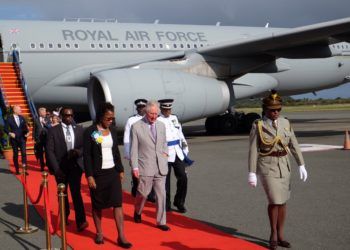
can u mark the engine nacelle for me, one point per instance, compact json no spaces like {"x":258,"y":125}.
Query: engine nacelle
{"x":253,"y":84}
{"x":195,"y":96}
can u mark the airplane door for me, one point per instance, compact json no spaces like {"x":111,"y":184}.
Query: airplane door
{"x":1,"y":51}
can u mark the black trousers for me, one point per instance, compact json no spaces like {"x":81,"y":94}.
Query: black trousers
{"x":22,"y":146}
{"x":39,"y":152}
{"x":181,"y":184}
{"x":73,"y":181}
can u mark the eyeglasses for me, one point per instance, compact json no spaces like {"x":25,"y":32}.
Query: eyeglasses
{"x":274,"y":110}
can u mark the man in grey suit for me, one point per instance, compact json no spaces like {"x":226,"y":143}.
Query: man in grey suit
{"x":149,"y":161}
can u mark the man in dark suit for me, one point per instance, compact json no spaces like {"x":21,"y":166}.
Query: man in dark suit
{"x":17,"y":130}
{"x":64,"y":151}
{"x":41,"y":125}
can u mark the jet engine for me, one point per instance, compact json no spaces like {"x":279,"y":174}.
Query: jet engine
{"x":195,"y":96}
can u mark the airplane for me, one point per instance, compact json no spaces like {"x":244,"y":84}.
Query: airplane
{"x":204,"y":68}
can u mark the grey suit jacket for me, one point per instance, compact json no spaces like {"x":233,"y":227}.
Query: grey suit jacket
{"x":149,"y":156}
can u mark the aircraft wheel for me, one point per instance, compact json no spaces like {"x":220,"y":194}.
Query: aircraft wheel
{"x":212,"y":125}
{"x":249,"y":119}
{"x":228,"y":124}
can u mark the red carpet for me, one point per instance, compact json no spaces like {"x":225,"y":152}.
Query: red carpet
{"x":185,"y":233}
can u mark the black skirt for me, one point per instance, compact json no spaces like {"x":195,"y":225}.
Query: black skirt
{"x":108,"y":192}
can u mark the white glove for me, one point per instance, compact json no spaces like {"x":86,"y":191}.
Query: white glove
{"x":302,"y":172}
{"x":252,"y":180}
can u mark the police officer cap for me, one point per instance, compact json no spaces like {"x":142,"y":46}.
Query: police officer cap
{"x":272,"y":101}
{"x":140,"y":102}
{"x":166,"y":103}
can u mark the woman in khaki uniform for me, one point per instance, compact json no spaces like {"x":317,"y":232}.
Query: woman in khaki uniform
{"x":271,"y":140}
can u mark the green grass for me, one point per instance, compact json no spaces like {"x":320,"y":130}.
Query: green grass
{"x":306,"y":108}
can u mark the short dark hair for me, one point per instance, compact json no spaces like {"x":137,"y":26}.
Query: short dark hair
{"x":103,"y":108}
{"x":65,"y":108}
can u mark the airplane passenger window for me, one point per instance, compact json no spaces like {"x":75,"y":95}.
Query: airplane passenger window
{"x":67,"y":45}
{"x":100,"y":45}
{"x":32,"y":45}
{"x":92,"y":45}
{"x":41,"y":45}
{"x":131,"y":45}
{"x":139,"y":46}
{"x":59,"y":45}
{"x":146,"y":45}
{"x":195,"y":45}
{"x":181,"y":46}
{"x":153,"y":46}
{"x":189,"y":46}
{"x":116,"y":46}
{"x":201,"y":45}
{"x":174,"y":45}
{"x":76,"y":46}
{"x":160,"y":45}
{"x":108,"y":45}
{"x":124,"y":45}
{"x":50,"y":46}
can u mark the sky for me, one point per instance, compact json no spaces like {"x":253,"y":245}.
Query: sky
{"x":278,"y":13}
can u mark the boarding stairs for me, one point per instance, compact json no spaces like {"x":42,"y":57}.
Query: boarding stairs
{"x":14,"y":92}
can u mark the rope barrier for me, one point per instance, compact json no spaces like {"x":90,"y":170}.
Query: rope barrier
{"x":43,"y":192}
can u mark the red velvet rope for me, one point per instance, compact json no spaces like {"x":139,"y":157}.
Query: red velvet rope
{"x":53,"y":229}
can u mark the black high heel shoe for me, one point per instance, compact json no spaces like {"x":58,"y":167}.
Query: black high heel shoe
{"x":99,"y":238}
{"x":123,"y":244}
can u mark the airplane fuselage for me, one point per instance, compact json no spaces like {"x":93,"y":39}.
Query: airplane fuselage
{"x":57,"y":58}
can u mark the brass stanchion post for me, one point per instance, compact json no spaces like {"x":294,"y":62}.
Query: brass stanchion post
{"x":47,"y":226}
{"x":61,"y":188}
{"x":26,"y":229}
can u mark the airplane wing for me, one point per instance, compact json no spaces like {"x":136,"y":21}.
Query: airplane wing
{"x":319,"y":34}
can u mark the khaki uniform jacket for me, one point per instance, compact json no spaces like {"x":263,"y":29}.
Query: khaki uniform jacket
{"x":271,"y":165}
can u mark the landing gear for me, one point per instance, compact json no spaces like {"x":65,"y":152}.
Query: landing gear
{"x":230,"y":123}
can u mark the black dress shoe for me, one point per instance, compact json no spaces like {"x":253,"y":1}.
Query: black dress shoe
{"x":181,"y":208}
{"x":99,"y":238}
{"x":273,"y":245}
{"x":82,"y":226}
{"x":124,"y":244}
{"x":285,"y":244}
{"x":137,"y":218}
{"x":163,"y":227}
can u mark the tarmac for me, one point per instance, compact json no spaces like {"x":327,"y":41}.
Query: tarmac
{"x":219,"y":195}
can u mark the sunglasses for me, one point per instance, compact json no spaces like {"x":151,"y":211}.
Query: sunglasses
{"x":274,"y":110}
{"x":109,"y":119}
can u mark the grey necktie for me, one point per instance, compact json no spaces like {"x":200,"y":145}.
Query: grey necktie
{"x":153,"y":131}
{"x":68,"y":139}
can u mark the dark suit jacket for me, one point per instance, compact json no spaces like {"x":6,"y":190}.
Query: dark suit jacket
{"x":93,"y":152}
{"x":20,"y":131}
{"x":56,"y":148}
{"x":39,"y":131}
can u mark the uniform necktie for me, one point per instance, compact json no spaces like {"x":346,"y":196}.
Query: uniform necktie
{"x":68,"y":139}
{"x":153,"y":131}
{"x":274,"y":124}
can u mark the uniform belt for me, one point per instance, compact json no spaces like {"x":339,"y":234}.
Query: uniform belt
{"x":173,"y":143}
{"x":280,"y":153}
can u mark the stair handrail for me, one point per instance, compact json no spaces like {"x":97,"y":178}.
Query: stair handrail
{"x":3,"y":101}
{"x":15,"y":56}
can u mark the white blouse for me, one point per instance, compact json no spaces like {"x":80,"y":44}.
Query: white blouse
{"x":107,"y":155}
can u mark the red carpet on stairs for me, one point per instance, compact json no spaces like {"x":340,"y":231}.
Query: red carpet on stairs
{"x":185,"y":233}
